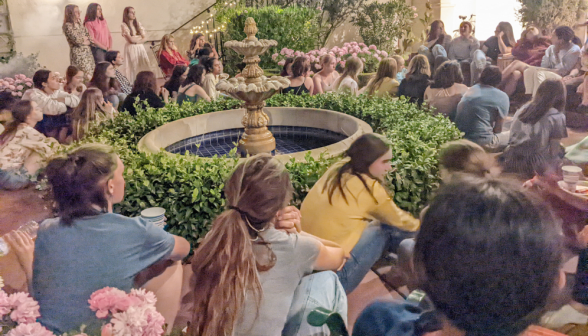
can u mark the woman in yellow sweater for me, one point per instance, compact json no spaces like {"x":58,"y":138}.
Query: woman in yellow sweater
{"x":384,"y":83}
{"x":350,"y":207}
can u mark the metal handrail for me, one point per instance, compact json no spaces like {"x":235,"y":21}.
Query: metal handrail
{"x":195,"y":16}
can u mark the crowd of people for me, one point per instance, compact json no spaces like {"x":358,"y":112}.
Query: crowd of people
{"x":265,"y":265}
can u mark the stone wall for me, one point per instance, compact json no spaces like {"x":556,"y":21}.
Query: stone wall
{"x":37,"y":24}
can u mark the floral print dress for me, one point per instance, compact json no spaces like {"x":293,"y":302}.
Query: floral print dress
{"x":25,"y":142}
{"x":80,"y":55}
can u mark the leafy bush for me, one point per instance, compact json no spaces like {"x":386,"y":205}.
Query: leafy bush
{"x":548,"y":14}
{"x":190,"y":188}
{"x":384,"y":24}
{"x":293,"y":27}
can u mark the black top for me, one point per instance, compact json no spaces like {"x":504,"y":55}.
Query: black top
{"x":148,"y":98}
{"x":296,"y":90}
{"x":413,"y":87}
{"x":172,"y":87}
{"x":493,"y":48}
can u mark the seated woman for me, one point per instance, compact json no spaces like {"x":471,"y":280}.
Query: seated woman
{"x":324,"y":79}
{"x":144,"y":91}
{"x":447,"y":89}
{"x":347,"y":83}
{"x":93,"y":109}
{"x":502,"y":293}
{"x":287,"y":67}
{"x":74,"y":81}
{"x":350,"y":206}
{"x":438,"y":42}
{"x":105,"y":79}
{"x":23,"y":150}
{"x":198,"y":43}
{"x":528,"y":51}
{"x":169,"y":56}
{"x":537,"y":128}
{"x":191,"y":89}
{"x":178,"y":76}
{"x":462,"y":47}
{"x":53,"y":102}
{"x":214,"y":69}
{"x":88,"y":247}
{"x":554,"y":66}
{"x":465,"y":157}
{"x":253,"y":279}
{"x":300,"y":82}
{"x":384,"y":83}
{"x":501,"y":43}
{"x":6,"y":101}
{"x":417,"y":80}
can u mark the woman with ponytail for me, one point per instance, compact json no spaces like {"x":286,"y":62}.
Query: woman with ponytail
{"x":253,"y":279}
{"x":88,"y":247}
{"x":23,"y":149}
{"x":350,"y":206}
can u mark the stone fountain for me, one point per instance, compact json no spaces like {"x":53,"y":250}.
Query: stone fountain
{"x":253,"y":88}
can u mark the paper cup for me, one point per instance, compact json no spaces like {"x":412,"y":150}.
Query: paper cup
{"x":153,"y":214}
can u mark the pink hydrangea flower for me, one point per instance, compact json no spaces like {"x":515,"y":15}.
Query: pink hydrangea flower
{"x":12,"y":87}
{"x":282,"y":62}
{"x":416,"y":15}
{"x":362,"y":45}
{"x":13,"y":93}
{"x":384,"y":53}
{"x":30,"y":329}
{"x":5,"y":304}
{"x":25,"y":309}
{"x":145,"y":296}
{"x":318,"y":66}
{"x":155,"y":322}
{"x":342,"y":63}
{"x":110,"y":300}
{"x":29,"y":84}
{"x":19,"y":94}
{"x":20,"y":87}
{"x":373,"y":47}
{"x":354,"y":55}
{"x":275,"y":56}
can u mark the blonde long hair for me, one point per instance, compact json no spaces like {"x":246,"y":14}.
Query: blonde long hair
{"x":353,"y":68}
{"x":386,"y":69}
{"x":419,"y":64}
{"x":225,"y":266}
{"x":86,"y":112}
{"x":163,"y":45}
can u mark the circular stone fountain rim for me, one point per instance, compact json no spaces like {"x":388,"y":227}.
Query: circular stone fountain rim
{"x":147,"y":142}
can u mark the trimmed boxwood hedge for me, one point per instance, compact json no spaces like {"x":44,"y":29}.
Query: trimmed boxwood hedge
{"x":190,"y":188}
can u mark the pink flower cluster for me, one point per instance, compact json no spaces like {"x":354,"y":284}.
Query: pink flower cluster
{"x":17,"y":85}
{"x":19,"y":306}
{"x":370,"y":55}
{"x":131,"y":314}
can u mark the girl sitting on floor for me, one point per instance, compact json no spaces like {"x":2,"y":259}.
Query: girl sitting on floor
{"x":253,"y":279}
{"x":350,"y":206}
{"x":92,"y":110}
{"x":23,"y":150}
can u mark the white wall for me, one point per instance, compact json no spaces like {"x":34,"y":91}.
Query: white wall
{"x":37,"y":24}
{"x":488,"y":14}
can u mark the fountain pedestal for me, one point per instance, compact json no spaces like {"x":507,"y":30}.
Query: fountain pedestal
{"x":253,"y":88}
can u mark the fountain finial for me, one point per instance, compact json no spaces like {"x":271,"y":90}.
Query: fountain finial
{"x":250,"y":29}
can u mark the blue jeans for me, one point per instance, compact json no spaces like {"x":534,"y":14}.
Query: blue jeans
{"x":14,"y":180}
{"x":374,"y":241}
{"x":321,"y":289}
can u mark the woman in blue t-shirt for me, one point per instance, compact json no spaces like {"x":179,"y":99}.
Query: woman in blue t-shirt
{"x":88,"y":247}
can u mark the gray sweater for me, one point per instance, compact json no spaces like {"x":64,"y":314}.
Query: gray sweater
{"x":461,"y":48}
{"x":564,"y":62}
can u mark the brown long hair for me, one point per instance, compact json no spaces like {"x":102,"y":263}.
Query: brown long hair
{"x":70,"y":73}
{"x":92,"y":13}
{"x":79,"y":181}
{"x":550,"y":94}
{"x":353,"y":67}
{"x":20,"y":111}
{"x":508,"y":36}
{"x":144,"y":82}
{"x":362,"y":153}
{"x":433,"y":32}
{"x":194,"y":39}
{"x":70,"y":16}
{"x":86,"y":112}
{"x":225,"y":266}
{"x":101,"y":81}
{"x":135,"y":21}
{"x":386,"y":69}
{"x":419,"y":64}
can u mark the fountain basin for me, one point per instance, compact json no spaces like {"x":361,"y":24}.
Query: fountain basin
{"x":337,"y":128}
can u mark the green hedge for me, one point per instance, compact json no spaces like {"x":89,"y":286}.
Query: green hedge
{"x":190,"y":188}
{"x":292,"y":27}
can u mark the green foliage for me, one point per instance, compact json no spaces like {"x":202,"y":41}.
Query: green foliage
{"x":549,"y":14}
{"x":293,"y":27}
{"x":426,"y":21}
{"x":190,"y":188}
{"x":384,"y":24}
